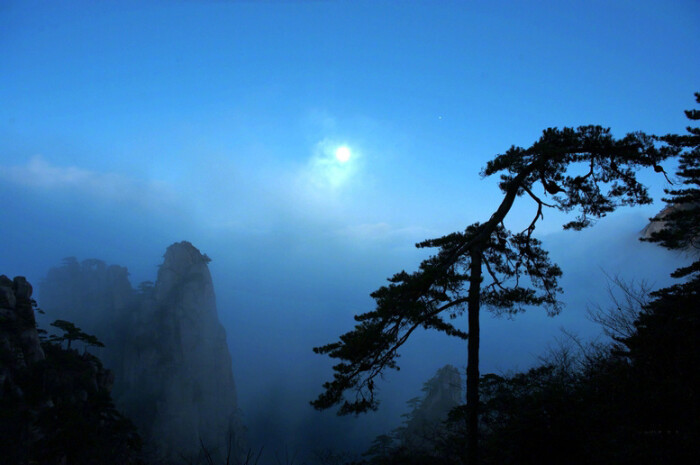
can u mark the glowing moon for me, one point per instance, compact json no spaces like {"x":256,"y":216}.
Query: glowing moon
{"x":342,"y":154}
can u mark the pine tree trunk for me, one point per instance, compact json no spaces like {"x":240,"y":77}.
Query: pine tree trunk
{"x":473,"y":359}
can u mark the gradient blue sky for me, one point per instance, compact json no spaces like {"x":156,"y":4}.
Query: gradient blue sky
{"x":202,"y":103}
{"x":126,"y":126}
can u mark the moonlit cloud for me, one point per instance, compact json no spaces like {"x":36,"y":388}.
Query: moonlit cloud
{"x":40,"y":174}
{"x":325,"y":172}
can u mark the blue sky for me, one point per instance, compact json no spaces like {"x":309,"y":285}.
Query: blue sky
{"x":208,"y":100}
{"x":126,"y":126}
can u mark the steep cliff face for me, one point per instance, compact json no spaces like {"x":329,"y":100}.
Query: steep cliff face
{"x":176,"y":377}
{"x":165,"y":344}
{"x":19,"y":340}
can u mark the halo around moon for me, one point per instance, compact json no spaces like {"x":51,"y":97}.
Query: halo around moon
{"x":343,"y":154}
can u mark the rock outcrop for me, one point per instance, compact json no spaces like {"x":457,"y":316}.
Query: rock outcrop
{"x":443,"y":392}
{"x":658,"y":223}
{"x":96,"y":297}
{"x":426,"y":426}
{"x":55,"y":404}
{"x":19,"y":340}
{"x":173,"y":374}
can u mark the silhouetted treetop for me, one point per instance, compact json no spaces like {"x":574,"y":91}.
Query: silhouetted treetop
{"x":73,"y":333}
{"x":604,"y":181}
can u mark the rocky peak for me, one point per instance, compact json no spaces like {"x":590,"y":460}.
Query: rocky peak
{"x":165,"y":344}
{"x":443,"y":392}
{"x":181,"y":358}
{"x":91,"y":294}
{"x":183,"y":265}
{"x":182,"y":255}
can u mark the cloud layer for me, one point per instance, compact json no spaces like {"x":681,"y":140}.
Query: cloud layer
{"x":39,"y":174}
